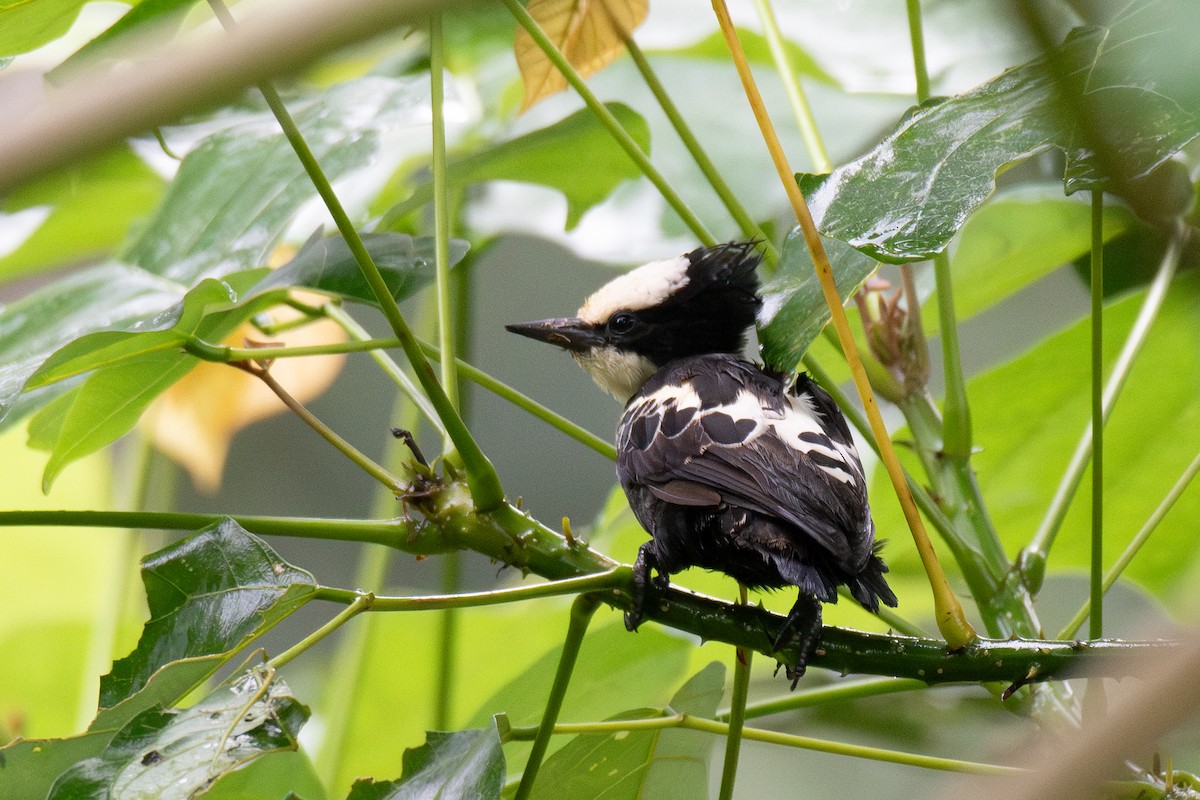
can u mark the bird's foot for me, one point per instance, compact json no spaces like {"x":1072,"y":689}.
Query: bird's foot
{"x":643,"y":577}
{"x":802,"y":628}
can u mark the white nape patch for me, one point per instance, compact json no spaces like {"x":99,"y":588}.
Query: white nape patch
{"x":616,"y":372}
{"x":644,"y":287}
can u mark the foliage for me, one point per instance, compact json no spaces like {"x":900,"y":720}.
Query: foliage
{"x":151,"y":261}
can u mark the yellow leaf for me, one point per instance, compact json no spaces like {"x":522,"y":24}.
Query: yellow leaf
{"x":589,"y":34}
{"x":194,"y":421}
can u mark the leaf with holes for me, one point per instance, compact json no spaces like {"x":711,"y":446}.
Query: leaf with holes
{"x":179,"y":753}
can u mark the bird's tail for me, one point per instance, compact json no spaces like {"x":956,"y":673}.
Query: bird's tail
{"x":869,"y":587}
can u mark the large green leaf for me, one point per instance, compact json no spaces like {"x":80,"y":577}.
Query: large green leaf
{"x":83,"y":220}
{"x":233,"y":197}
{"x":904,"y":200}
{"x":459,"y":765}
{"x":211,"y":593}
{"x":549,"y":156}
{"x":639,"y":669}
{"x":173,"y":753}
{"x":1029,"y":414}
{"x":143,"y":13}
{"x":640,"y":765}
{"x":28,"y":768}
{"x":325,"y":264}
{"x":1017,"y":238}
{"x":794,"y":309}
{"x":28,"y":24}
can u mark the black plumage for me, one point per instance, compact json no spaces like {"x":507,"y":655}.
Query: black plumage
{"x":728,"y":466}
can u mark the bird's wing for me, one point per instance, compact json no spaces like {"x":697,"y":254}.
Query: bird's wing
{"x":722,"y":428}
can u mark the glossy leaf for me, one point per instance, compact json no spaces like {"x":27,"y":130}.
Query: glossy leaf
{"x":233,"y":197}
{"x":174,"y":753}
{"x":458,"y":765}
{"x":794,"y":309}
{"x":589,"y":34}
{"x":905,"y":199}
{"x":640,"y":765}
{"x":211,"y":593}
{"x":82,"y":221}
{"x":1017,"y":238}
{"x":549,"y":157}
{"x":326,"y":265}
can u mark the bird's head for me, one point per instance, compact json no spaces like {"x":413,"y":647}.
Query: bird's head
{"x":701,"y":302}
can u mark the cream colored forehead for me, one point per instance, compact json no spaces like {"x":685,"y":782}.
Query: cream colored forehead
{"x":641,"y":288}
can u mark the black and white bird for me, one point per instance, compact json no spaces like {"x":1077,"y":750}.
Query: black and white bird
{"x":728,"y":466}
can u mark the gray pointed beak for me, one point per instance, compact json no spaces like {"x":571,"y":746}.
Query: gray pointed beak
{"x":570,"y":333}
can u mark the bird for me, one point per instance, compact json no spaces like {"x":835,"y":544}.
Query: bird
{"x":728,"y":465}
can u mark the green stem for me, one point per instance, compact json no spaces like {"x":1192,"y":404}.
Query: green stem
{"x":1043,"y":540}
{"x":750,"y":229}
{"x":834,"y":693}
{"x":481,"y":475}
{"x":690,"y":722}
{"x":617,"y":577}
{"x":446,"y":671}
{"x":1135,"y":545}
{"x":788,"y":74}
{"x":1096,"y":619}
{"x":511,"y":536}
{"x":362,"y":603}
{"x":956,"y":414}
{"x":360,"y":459}
{"x":441,"y":211}
{"x":528,"y":404}
{"x":622,"y":137}
{"x":581,"y":616}
{"x":737,"y":713}
{"x":916,"y":36}
{"x":224,"y":354}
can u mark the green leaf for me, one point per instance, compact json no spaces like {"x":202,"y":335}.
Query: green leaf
{"x":283,"y":775}
{"x":794,"y":309}
{"x":146,"y":11}
{"x":29,"y":767}
{"x":173,"y":753}
{"x":26,"y":25}
{"x":83,"y":222}
{"x":1017,"y":238}
{"x":209,"y":594}
{"x":612,"y":662}
{"x":325,"y":264}
{"x":904,"y":200}
{"x":641,"y":764}
{"x":109,"y":404}
{"x":237,"y":191}
{"x":757,"y":50}
{"x":233,"y":197}
{"x":1029,"y":414}
{"x":549,"y":156}
{"x":459,"y":765}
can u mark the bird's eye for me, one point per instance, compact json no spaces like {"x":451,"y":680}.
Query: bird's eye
{"x":621,"y":323}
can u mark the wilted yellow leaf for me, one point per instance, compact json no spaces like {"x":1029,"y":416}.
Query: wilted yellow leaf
{"x":589,"y":33}
{"x":194,"y":421}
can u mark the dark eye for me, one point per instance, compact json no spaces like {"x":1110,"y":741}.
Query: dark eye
{"x":621,"y":323}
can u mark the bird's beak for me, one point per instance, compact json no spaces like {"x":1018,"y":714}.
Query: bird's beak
{"x":570,"y":333}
